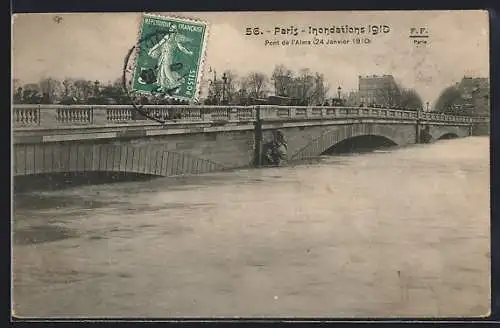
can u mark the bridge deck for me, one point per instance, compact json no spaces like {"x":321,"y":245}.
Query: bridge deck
{"x":198,"y":139}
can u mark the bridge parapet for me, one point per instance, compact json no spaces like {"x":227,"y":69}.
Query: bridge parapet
{"x":319,"y":112}
{"x":54,"y":116}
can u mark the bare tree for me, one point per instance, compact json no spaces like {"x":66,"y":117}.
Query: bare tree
{"x":69,"y":94}
{"x":410,"y":99}
{"x":17,"y":90}
{"x":256,"y":84}
{"x":215,"y":91}
{"x":82,"y":89}
{"x":390,"y":95}
{"x":117,"y":83}
{"x":231,"y":87}
{"x":31,"y":94}
{"x":320,"y":89}
{"x":16,"y":83}
{"x":303,"y":86}
{"x":242,"y":94}
{"x":282,"y":78}
{"x":50,"y":89}
{"x":353,"y":99}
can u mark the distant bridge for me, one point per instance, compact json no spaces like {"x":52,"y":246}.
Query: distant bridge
{"x":77,"y":139}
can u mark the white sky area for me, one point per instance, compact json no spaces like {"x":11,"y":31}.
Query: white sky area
{"x":93,"y":46}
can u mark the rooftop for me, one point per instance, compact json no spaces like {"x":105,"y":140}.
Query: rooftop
{"x":375,"y":76}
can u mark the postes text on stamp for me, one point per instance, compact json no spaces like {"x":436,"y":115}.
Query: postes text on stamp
{"x":170,"y":57}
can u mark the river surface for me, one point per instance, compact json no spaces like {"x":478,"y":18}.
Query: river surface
{"x":404,"y":232}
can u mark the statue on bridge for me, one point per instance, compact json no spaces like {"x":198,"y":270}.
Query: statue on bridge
{"x":275,"y":151}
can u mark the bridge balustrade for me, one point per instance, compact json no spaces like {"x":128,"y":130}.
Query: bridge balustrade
{"x":118,"y":114}
{"x":301,"y":112}
{"x":316,"y":112}
{"x":218,"y":113}
{"x":53,"y":116}
{"x":244,"y":113}
{"x":159,"y":112}
{"x":191,"y":114}
{"x":26,"y":115}
{"x":74,"y":115}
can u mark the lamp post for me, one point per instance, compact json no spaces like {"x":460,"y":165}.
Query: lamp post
{"x":96,"y":88}
{"x":427,"y":103}
{"x":224,"y":81}
{"x":212,"y":88}
{"x":210,"y":91}
{"x":472,"y":108}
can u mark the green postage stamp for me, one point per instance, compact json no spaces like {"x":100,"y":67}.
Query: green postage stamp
{"x":170,"y":57}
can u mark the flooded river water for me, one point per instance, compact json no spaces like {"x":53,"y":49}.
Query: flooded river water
{"x":403,"y":232}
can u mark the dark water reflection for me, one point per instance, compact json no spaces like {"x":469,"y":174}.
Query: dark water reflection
{"x":42,"y":234}
{"x":401,"y":232}
{"x":32,"y":201}
{"x":60,"y":181}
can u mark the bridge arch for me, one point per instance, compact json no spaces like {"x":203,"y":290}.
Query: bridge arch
{"x":449,"y":135}
{"x":365,"y":142}
{"x":395,"y":135}
{"x":81,"y":158}
{"x":440,"y":132}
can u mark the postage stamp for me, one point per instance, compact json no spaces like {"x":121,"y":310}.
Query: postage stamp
{"x":169,"y":59}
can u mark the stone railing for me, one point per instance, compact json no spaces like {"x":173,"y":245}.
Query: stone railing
{"x":53,"y":116}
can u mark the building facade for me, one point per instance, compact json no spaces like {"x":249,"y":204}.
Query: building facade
{"x":475,"y":93}
{"x":378,"y":90}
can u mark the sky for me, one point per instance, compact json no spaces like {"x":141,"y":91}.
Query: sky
{"x":93,"y":46}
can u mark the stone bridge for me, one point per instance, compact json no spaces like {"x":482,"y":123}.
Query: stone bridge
{"x":52,"y":139}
